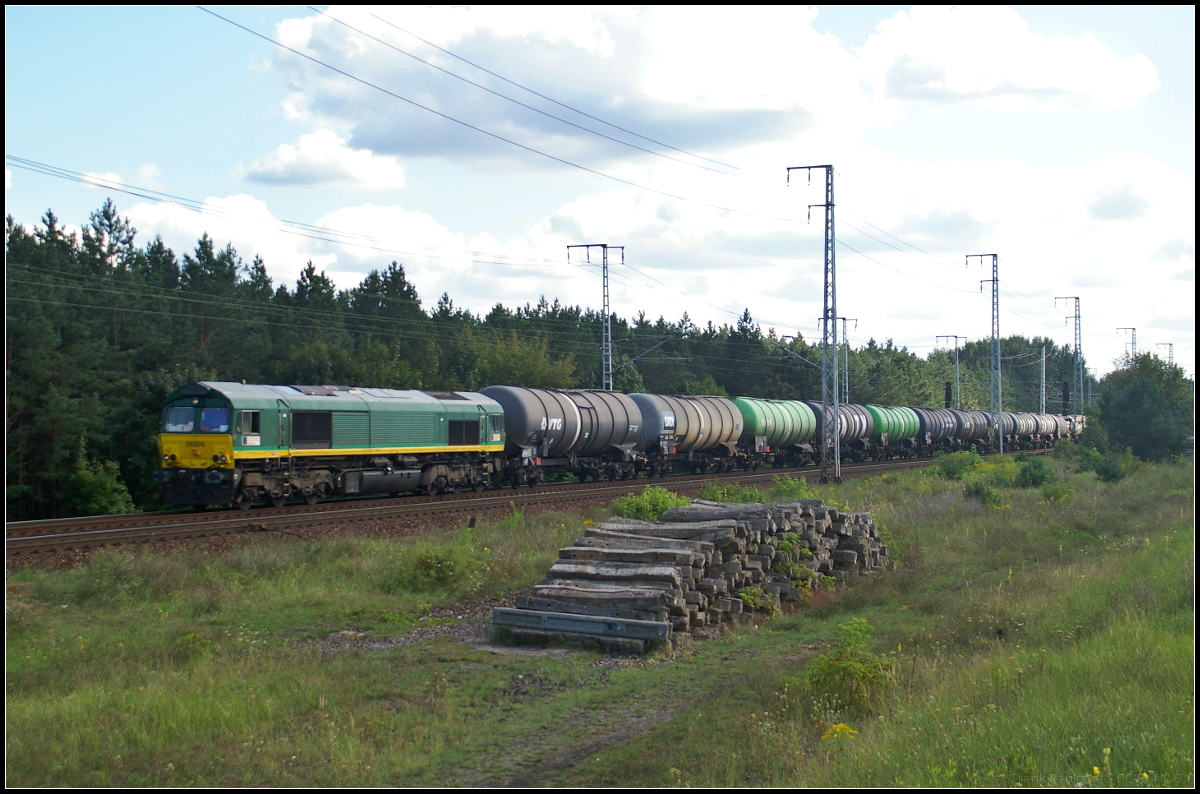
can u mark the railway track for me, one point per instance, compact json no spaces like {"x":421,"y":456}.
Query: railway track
{"x":72,"y":534}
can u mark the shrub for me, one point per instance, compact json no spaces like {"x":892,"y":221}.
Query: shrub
{"x":1000,"y":471}
{"x":95,"y":488}
{"x":190,"y":647}
{"x":984,"y":493}
{"x":801,"y":575}
{"x":849,"y":676}
{"x":1034,"y":473}
{"x":650,"y":504}
{"x":757,"y":599}
{"x":1109,"y":468}
{"x":956,"y":464}
{"x":731,"y":492}
{"x":427,"y":567}
{"x":789,"y":489}
{"x":1056,"y":493}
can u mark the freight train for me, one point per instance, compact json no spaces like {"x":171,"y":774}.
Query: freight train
{"x":234,"y":445}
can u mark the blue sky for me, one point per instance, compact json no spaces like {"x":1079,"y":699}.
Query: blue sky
{"x":1062,"y":140}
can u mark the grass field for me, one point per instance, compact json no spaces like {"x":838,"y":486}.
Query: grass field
{"x":1045,"y":638}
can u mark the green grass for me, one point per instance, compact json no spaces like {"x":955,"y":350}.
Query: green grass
{"x":1041,"y":642}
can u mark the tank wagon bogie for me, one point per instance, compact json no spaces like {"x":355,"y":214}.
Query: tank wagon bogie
{"x":233,"y":444}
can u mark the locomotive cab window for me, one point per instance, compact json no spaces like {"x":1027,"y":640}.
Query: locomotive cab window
{"x":248,"y":422}
{"x":497,"y":421}
{"x":180,"y":419}
{"x":214,"y":420}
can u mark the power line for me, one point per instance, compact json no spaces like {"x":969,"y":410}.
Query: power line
{"x":901,"y":272}
{"x":515,"y":101}
{"x":468,"y":125}
{"x":549,"y":99}
{"x":295,"y":228}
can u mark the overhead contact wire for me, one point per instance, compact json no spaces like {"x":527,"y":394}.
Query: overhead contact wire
{"x":549,"y":99}
{"x":515,"y":101}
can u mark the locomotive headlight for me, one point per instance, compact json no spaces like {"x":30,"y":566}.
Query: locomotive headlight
{"x":216,"y":458}
{"x":166,"y":458}
{"x":224,"y":459}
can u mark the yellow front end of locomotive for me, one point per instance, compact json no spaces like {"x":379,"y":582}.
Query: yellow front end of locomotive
{"x":195,"y":450}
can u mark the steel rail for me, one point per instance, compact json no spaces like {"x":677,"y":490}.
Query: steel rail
{"x":64,"y":536}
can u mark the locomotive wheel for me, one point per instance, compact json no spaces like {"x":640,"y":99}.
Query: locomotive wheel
{"x":479,"y":486}
{"x":311,"y":498}
{"x":243,"y":500}
{"x":278,"y":501}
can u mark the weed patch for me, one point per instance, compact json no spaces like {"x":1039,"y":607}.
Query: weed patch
{"x":649,"y":505}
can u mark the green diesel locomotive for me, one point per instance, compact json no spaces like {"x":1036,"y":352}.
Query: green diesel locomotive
{"x":233,"y":444}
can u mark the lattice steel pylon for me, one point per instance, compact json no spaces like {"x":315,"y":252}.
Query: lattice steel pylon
{"x":997,"y":382}
{"x":1078,"y":396}
{"x":831,"y":421}
{"x":606,"y":347}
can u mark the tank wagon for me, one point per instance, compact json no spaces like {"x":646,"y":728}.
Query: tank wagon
{"x":696,"y":433}
{"x":590,"y":433}
{"x":233,"y":444}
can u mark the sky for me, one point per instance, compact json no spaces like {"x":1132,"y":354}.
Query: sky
{"x":1061,"y":139}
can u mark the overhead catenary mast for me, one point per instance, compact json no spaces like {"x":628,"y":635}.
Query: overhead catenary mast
{"x":957,"y":386}
{"x":606,"y":346}
{"x":1042,"y":395}
{"x":1078,"y":401}
{"x":997,"y":384}
{"x":846,"y":358}
{"x":1132,"y":340}
{"x":831,"y":419}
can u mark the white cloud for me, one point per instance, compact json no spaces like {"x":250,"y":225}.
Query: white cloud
{"x":150,"y":175}
{"x":1117,"y":204}
{"x":765,"y":90}
{"x":96,"y":180}
{"x":240,"y":220}
{"x":322,"y":159}
{"x":988,"y":56}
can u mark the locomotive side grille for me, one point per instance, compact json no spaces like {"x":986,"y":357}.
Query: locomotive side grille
{"x":464,"y":433}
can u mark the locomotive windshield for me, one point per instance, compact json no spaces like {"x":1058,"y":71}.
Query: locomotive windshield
{"x":182,"y":419}
{"x":214,"y":420}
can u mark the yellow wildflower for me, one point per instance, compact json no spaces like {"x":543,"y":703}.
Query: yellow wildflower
{"x":840,"y":730}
